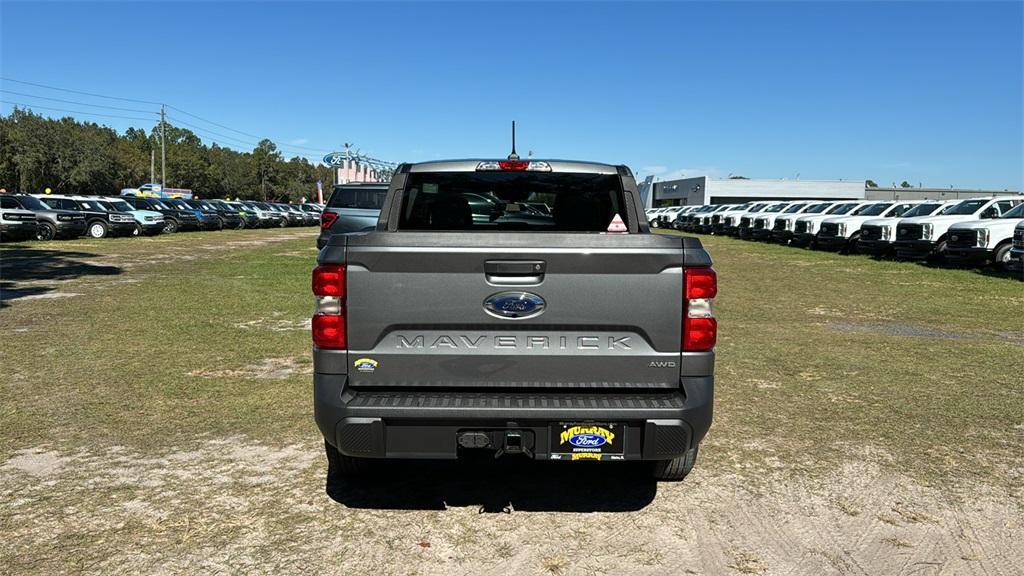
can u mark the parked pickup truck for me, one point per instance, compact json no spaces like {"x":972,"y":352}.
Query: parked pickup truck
{"x":1016,"y":262}
{"x":878,"y":234}
{"x":842,"y":233}
{"x":980,"y":241}
{"x":581,"y":336}
{"x":925,"y":237}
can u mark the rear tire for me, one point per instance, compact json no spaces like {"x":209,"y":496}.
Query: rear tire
{"x":1001,"y":257}
{"x":851,"y":244}
{"x":97,"y":229}
{"x":340,"y":466}
{"x":46,"y":231}
{"x":677,"y":468}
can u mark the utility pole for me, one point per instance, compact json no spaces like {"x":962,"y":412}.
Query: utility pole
{"x":163,"y":148}
{"x":152,"y":164}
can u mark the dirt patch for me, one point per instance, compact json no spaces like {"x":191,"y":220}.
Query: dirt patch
{"x":278,"y":325}
{"x":50,"y":296}
{"x":912,"y":330}
{"x":39,"y":463}
{"x":229,"y":505}
{"x":266,"y":369}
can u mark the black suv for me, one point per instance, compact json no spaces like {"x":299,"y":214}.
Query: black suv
{"x":247,"y":217}
{"x":50,"y":223}
{"x":174,"y":218}
{"x":229,"y":218}
{"x":100,"y":221}
{"x":208,"y":219}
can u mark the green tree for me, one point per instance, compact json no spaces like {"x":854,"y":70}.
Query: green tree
{"x":870,"y":184}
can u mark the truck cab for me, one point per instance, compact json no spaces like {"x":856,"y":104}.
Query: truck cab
{"x":579,"y":336}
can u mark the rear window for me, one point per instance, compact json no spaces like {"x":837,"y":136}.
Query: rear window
{"x":358,"y":197}
{"x":478,"y":201}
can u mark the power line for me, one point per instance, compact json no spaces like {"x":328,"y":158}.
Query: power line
{"x":294,"y":147}
{"x":33,"y":106}
{"x":78,"y":103}
{"x":211,"y":133}
{"x":78,"y":92}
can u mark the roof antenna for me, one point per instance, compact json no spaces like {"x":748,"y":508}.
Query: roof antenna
{"x":513,"y":155}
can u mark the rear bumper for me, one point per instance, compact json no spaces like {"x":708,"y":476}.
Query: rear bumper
{"x":659,"y":425}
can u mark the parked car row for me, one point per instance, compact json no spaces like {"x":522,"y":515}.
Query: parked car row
{"x":970,"y":231}
{"x":53,"y":216}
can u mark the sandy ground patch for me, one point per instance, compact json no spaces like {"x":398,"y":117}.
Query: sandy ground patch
{"x":228,"y":505}
{"x":267,"y":368}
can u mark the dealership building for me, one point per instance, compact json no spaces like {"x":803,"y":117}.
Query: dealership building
{"x":704,"y":190}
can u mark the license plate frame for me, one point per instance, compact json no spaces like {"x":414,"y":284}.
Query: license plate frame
{"x":587,"y":441}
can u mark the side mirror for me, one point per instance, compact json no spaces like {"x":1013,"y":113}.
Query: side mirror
{"x":990,"y":213}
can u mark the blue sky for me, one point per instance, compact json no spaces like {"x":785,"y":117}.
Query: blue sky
{"x":931,"y":93}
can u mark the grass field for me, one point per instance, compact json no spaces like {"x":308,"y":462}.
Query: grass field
{"x":156,"y":415}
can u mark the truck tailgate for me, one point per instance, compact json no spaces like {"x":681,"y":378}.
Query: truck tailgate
{"x":604,"y":311}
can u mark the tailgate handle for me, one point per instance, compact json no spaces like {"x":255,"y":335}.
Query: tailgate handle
{"x":515,"y":271}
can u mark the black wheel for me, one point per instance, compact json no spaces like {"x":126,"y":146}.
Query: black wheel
{"x":1001,"y":257}
{"x":939,"y":253}
{"x":241,"y":224}
{"x":851,"y":244}
{"x":96,"y":229}
{"x":46,"y":231}
{"x":170,"y":226}
{"x":138,"y":230}
{"x":283,"y":224}
{"x":676,"y":468}
{"x":341,"y":466}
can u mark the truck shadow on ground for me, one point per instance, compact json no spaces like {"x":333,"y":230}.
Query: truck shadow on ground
{"x":24,"y":271}
{"x":496,"y":486}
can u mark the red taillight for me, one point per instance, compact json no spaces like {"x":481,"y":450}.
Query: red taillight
{"x":701,"y":283}
{"x":327,"y":219}
{"x":700,"y":329}
{"x":329,"y":327}
{"x":329,"y":280}
{"x":699,"y":334}
{"x":514,"y":164}
{"x":329,"y":331}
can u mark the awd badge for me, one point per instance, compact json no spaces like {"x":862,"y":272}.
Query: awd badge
{"x":365,"y":365}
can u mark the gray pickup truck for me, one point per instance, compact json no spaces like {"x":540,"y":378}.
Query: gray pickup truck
{"x":459,"y":324}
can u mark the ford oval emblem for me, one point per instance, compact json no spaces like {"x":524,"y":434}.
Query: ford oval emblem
{"x":587,"y":440}
{"x":514,"y":305}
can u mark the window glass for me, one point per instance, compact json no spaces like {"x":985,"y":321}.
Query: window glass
{"x":480,"y":201}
